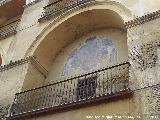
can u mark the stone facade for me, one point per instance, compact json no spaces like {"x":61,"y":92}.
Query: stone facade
{"x":130,"y":30}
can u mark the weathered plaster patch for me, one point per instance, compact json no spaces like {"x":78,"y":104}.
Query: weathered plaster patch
{"x":90,"y":54}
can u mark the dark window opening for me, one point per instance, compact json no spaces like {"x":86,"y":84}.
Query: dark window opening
{"x":86,"y":88}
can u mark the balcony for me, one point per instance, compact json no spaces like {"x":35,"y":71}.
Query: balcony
{"x":105,"y":85}
{"x":8,"y":29}
{"x":60,"y":6}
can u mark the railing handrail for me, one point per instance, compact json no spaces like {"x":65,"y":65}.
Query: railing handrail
{"x":110,"y":83}
{"x":74,"y":77}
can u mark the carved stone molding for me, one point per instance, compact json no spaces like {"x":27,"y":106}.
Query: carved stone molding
{"x":30,"y":59}
{"x":143,"y":19}
{"x":39,"y":67}
{"x":15,"y":63}
{"x":49,"y":11}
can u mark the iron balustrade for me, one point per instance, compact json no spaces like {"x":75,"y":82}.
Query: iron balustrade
{"x":61,"y":6}
{"x":105,"y":82}
{"x":8,"y":29}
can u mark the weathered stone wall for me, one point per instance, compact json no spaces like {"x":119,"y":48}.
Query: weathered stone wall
{"x":11,"y":83}
{"x":28,"y":30}
{"x":33,"y":78}
{"x":144,"y":43}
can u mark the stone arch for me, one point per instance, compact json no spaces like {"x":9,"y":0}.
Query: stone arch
{"x":65,"y":29}
{"x":117,"y":7}
{"x":104,"y":4}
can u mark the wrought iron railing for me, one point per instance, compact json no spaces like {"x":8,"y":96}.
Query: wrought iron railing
{"x":108,"y":82}
{"x":61,"y":6}
{"x":8,"y":29}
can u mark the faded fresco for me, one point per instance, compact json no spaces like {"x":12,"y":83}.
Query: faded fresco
{"x":89,"y":55}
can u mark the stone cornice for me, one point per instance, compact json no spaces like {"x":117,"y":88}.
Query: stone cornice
{"x":65,"y":10}
{"x":16,"y":63}
{"x":143,"y":19}
{"x":30,"y":59}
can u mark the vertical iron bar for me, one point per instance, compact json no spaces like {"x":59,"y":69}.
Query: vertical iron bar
{"x":75,"y":91}
{"x":99,"y":85}
{"x":107,"y":80}
{"x":103,"y":83}
{"x":54,"y":95}
{"x":56,"y":98}
{"x":96,"y":84}
{"x":115,"y":79}
{"x":62,"y":88}
{"x":111,"y":80}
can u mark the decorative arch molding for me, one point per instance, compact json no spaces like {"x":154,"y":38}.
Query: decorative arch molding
{"x":117,"y":7}
{"x":102,"y":4}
